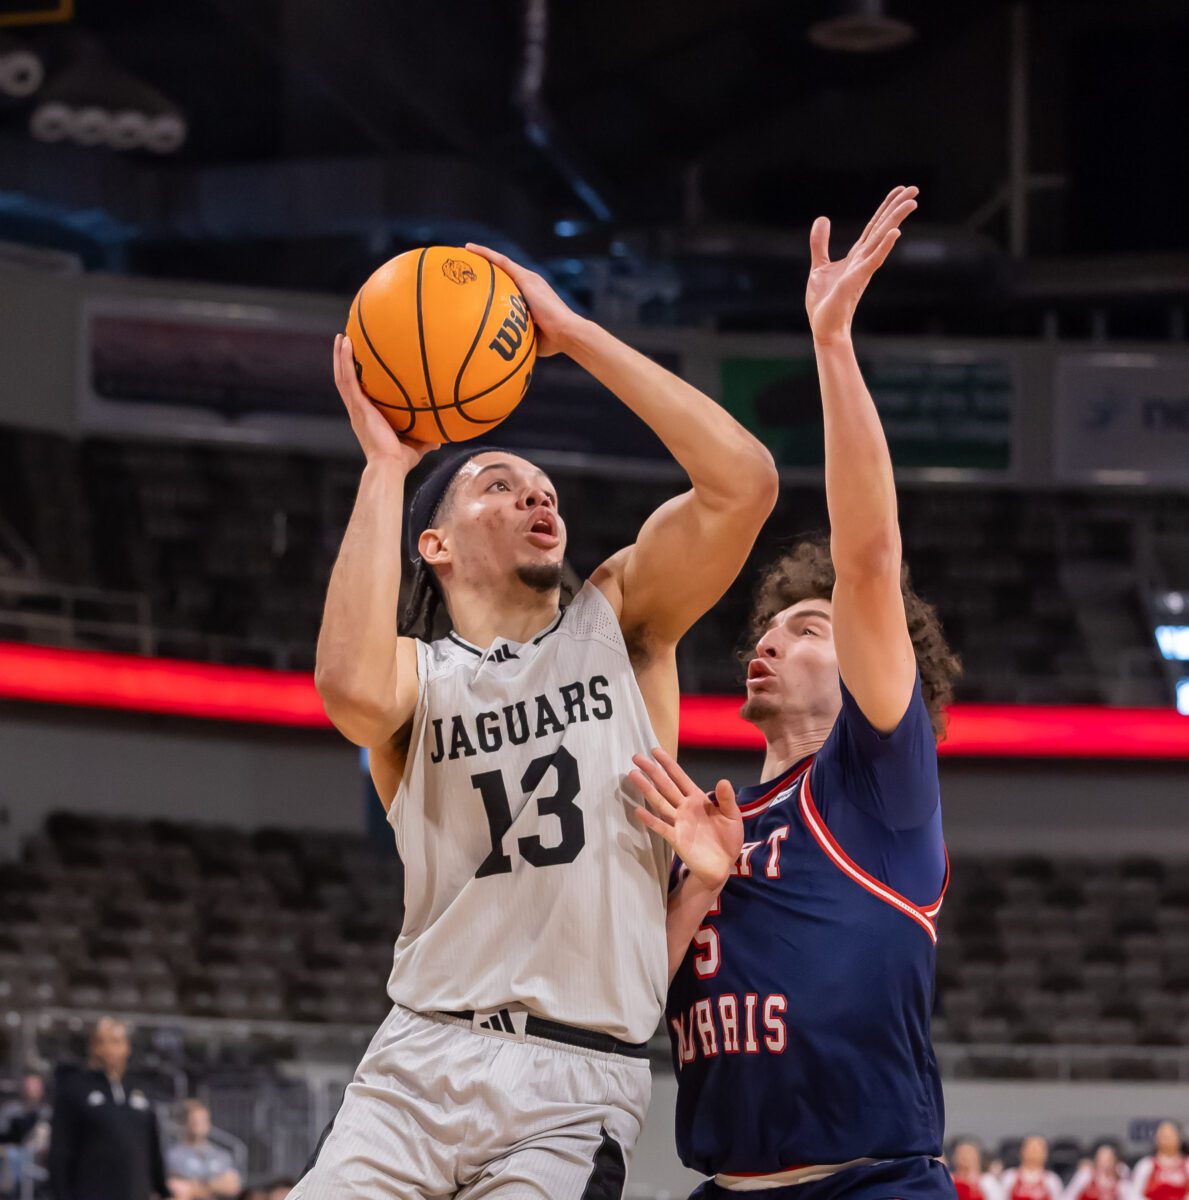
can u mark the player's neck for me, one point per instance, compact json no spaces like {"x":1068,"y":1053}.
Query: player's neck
{"x":514,"y":613}
{"x":789,"y":744}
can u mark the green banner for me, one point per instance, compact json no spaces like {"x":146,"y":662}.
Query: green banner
{"x":936,"y":413}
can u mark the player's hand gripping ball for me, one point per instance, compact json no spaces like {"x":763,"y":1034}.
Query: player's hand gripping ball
{"x":444,"y":343}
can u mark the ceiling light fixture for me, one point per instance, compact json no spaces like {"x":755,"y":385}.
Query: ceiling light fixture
{"x":861,"y":27}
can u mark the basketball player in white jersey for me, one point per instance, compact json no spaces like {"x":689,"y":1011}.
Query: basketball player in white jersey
{"x":531,"y":967}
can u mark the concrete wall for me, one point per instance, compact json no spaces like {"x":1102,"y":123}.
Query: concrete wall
{"x":205,"y":771}
{"x":1098,"y":809}
{"x":1127,"y":1112}
{"x":43,"y":298}
{"x":185,"y":770}
{"x":39,"y":316}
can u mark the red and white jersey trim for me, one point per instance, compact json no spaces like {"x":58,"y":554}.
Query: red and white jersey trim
{"x":923,"y":916}
{"x":760,"y":803}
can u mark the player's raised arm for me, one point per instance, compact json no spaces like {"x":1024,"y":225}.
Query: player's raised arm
{"x":875,"y":653}
{"x":365,"y":674}
{"x":689,"y":550}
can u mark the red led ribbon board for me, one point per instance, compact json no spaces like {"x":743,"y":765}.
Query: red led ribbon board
{"x":986,"y":730}
{"x":91,"y":679}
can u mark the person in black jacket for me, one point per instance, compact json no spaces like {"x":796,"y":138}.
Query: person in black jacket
{"x":104,"y":1143}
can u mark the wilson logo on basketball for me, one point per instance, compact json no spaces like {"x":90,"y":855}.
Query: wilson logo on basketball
{"x":511,"y":333}
{"x":458,"y":272}
{"x":420,"y":328}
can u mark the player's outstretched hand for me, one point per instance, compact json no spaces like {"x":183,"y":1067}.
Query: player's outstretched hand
{"x":553,"y":317}
{"x":834,"y":288}
{"x":706,"y":834}
{"x":376,"y":436}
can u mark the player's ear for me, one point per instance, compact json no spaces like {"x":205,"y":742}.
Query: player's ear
{"x":433,"y":547}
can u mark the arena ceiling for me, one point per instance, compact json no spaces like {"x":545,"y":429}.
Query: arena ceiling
{"x":671,"y":152}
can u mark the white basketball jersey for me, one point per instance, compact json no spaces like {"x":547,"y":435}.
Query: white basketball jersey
{"x":527,"y":879}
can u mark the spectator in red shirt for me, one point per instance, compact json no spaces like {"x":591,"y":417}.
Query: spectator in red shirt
{"x":970,"y":1180}
{"x":1102,"y":1178}
{"x":1031,"y":1180}
{"x":1165,"y":1175}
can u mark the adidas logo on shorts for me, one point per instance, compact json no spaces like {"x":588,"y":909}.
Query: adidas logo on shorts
{"x":502,"y":1023}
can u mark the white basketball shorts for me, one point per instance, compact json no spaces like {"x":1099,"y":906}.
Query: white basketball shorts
{"x":440,"y":1109}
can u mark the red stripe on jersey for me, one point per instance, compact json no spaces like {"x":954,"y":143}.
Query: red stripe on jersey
{"x":754,"y":807}
{"x":824,"y":838}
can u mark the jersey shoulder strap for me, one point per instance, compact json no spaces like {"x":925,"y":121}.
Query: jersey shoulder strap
{"x":590,"y":617}
{"x":443,"y":656}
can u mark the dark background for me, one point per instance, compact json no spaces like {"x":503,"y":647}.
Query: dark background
{"x":686,"y":146}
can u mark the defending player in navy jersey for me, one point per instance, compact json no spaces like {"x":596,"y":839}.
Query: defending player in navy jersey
{"x":804,"y":963}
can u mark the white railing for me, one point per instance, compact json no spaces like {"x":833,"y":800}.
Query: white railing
{"x":321,"y":1049}
{"x":60,"y":615}
{"x":1062,"y":1063}
{"x":15,"y":551}
{"x":273,"y":1123}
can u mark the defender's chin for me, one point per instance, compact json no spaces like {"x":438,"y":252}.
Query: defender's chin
{"x":758,"y":709}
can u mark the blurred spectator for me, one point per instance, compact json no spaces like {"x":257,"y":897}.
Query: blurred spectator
{"x":1165,"y":1175}
{"x":20,"y":1118}
{"x":970,"y":1180}
{"x":1031,"y":1180}
{"x":1102,"y":1178}
{"x":105,"y":1144}
{"x":198,"y":1169}
{"x":24,"y":1133}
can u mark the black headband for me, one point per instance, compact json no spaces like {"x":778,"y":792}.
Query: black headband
{"x":427,"y":499}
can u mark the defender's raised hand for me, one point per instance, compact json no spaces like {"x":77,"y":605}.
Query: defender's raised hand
{"x":834,"y":288}
{"x":552,"y":316}
{"x":706,"y":836}
{"x":377,"y":438}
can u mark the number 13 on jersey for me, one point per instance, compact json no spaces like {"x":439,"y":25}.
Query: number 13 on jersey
{"x":562,"y":804}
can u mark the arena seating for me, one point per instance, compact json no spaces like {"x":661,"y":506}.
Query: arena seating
{"x":1040,"y":593}
{"x":160,"y":918}
{"x":1037,"y":953}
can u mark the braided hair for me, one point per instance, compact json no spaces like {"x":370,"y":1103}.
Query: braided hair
{"x":423,"y":609}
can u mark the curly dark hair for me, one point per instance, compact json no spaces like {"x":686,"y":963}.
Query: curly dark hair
{"x":806,"y":572}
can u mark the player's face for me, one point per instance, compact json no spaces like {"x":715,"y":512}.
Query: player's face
{"x":794,"y":670}
{"x":503,"y":521}
{"x":1106,"y":1161}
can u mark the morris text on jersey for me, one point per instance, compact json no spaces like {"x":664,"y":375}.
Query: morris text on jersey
{"x":730,"y":1024}
{"x":464,"y":735}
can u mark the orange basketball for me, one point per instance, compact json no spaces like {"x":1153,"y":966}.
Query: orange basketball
{"x":444,"y":343}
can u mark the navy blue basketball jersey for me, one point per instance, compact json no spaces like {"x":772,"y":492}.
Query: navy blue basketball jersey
{"x":799,"y":1019}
